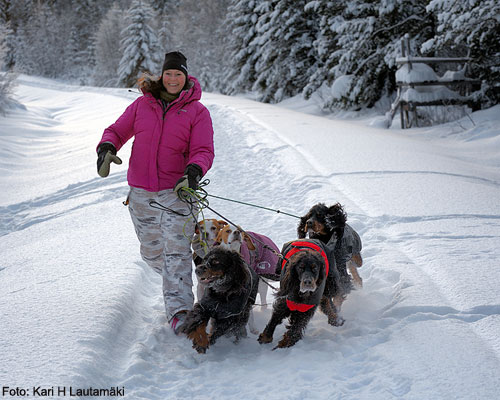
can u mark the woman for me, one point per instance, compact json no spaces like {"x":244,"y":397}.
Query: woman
{"x":173,"y":148}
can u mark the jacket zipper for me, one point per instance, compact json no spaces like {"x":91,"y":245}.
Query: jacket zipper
{"x":165,"y":109}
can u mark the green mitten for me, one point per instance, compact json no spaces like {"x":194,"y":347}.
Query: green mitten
{"x":106,"y":154}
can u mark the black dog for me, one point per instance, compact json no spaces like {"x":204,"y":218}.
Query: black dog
{"x":231,"y":288}
{"x":305,"y":273}
{"x":328,"y":224}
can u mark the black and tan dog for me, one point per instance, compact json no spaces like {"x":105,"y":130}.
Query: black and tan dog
{"x":231,"y":288}
{"x":309,"y":279}
{"x":328,"y":224}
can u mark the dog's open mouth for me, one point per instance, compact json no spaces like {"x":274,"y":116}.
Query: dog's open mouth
{"x":313,"y":233}
{"x":208,"y":277}
{"x":307,"y":287}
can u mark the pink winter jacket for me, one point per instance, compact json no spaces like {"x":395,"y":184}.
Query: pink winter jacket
{"x":164,"y":143}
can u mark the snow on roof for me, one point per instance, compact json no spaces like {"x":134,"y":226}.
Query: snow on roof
{"x":417,"y":73}
{"x":424,"y":94}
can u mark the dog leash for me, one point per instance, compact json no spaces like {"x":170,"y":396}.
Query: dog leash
{"x":253,"y":205}
{"x":192,"y":196}
{"x":204,"y":193}
{"x":199,"y":196}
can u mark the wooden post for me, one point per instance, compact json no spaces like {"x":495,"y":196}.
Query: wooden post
{"x":407,"y":40}
{"x":401,"y":114}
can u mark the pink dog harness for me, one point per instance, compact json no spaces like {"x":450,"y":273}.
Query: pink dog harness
{"x":264,"y":258}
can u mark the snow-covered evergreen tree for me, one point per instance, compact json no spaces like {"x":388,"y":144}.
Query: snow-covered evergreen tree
{"x":369,"y":38}
{"x":327,"y":16}
{"x":265,"y":44}
{"x":470,"y":28}
{"x":79,"y":53}
{"x":287,"y":60}
{"x":8,"y":32}
{"x":107,"y":48}
{"x":212,"y":65}
{"x":6,"y":79}
{"x":197,"y":33}
{"x":141,"y":50}
{"x":41,"y":39}
{"x":241,"y":23}
{"x":165,"y":11}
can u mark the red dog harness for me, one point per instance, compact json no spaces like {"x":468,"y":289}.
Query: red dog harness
{"x":293,"y":306}
{"x":296,"y":247}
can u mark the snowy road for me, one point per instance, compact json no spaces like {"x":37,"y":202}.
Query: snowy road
{"x":81,"y":309}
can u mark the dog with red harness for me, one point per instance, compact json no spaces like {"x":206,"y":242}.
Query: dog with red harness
{"x":309,"y":278}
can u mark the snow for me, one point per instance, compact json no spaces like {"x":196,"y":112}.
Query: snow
{"x":424,"y":94}
{"x":80,"y":308}
{"x":417,"y":73}
{"x":340,"y":86}
{"x":423,"y":73}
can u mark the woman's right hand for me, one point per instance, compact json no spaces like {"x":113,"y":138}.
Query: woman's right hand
{"x":106,"y":154}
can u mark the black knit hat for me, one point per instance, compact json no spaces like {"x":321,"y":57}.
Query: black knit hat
{"x":175,"y":60}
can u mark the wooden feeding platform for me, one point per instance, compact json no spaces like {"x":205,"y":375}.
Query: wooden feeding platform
{"x":418,"y":85}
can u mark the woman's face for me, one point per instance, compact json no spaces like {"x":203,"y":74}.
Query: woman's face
{"x":173,"y":80}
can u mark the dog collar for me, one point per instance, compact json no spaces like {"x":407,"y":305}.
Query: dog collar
{"x":293,"y":306}
{"x":303,"y":245}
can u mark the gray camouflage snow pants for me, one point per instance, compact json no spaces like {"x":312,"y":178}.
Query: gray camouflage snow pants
{"x":165,"y":244}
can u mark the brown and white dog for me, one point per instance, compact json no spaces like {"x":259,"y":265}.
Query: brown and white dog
{"x":205,"y":238}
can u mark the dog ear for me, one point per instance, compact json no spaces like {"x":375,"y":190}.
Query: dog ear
{"x":289,"y":279}
{"x":301,"y":229}
{"x":221,"y":223}
{"x":336,"y":217}
{"x":218,"y":238}
{"x":248,"y":241}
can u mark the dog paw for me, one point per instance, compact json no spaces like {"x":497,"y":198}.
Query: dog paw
{"x":263,"y":338}
{"x":286,"y":341}
{"x":337,"y":321}
{"x":199,"y":338}
{"x":200,"y":349}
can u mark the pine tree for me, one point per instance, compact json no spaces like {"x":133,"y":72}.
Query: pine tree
{"x":197,"y":35}
{"x":6,"y":79}
{"x":107,"y":48}
{"x":41,"y":39}
{"x":369,"y":40}
{"x":8,"y":34}
{"x":141,"y":52}
{"x":470,"y":28}
{"x":290,"y":59}
{"x":265,"y":44}
{"x":80,"y":52}
{"x":328,"y":15}
{"x":165,"y":11}
{"x":241,"y":33}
